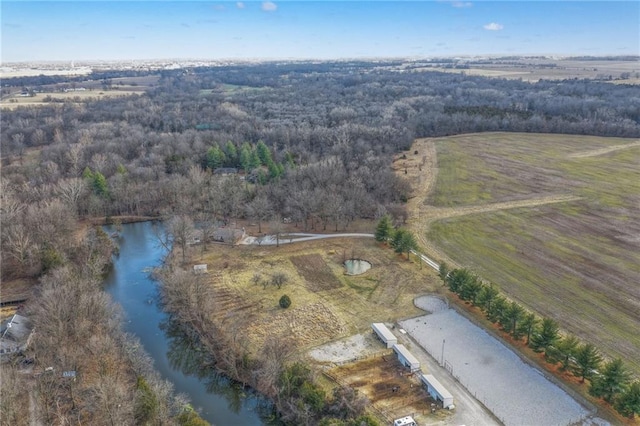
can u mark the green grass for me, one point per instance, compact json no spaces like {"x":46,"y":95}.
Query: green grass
{"x":478,"y":169}
{"x":579,"y":261}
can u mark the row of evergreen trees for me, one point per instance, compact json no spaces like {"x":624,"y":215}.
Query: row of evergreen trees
{"x":248,"y":157}
{"x":400,"y":239}
{"x":610,"y":381}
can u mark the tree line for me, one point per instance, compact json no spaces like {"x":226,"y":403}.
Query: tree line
{"x":84,"y":369}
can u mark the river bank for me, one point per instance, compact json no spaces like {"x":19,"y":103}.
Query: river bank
{"x":130,"y":285}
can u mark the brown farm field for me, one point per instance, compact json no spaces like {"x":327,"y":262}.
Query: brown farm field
{"x":54,"y":98}
{"x":326,"y":303}
{"x":535,"y":69}
{"x":552,"y":220}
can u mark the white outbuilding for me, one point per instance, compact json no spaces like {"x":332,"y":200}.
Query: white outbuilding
{"x":405,"y":421}
{"x":406,"y":358}
{"x":200,"y":269}
{"x":436,"y":390}
{"x":384,"y":334}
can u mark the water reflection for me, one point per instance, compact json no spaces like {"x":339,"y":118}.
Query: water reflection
{"x":185,"y":354}
{"x":176,"y":355}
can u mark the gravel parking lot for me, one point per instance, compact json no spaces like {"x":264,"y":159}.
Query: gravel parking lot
{"x":515,"y":392}
{"x":349,"y":349}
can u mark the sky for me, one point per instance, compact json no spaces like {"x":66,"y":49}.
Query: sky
{"x":216,"y":30}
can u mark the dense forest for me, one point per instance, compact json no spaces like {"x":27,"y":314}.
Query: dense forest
{"x":317,"y":138}
{"x":310,"y":142}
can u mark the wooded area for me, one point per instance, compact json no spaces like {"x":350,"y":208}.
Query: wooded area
{"x":310,"y":142}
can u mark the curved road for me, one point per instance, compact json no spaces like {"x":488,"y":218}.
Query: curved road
{"x":270,"y":240}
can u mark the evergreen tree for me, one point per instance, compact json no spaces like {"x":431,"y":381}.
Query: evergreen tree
{"x":254,"y":162}
{"x":443,"y":270}
{"x":487,"y":295}
{"x":628,"y":403}
{"x":497,"y":309}
{"x":527,"y":324}
{"x":215,"y":158}
{"x":613,"y":380}
{"x":403,"y":242}
{"x":547,"y":337}
{"x":458,"y":278}
{"x":384,"y":230}
{"x":512,"y":315}
{"x":588,"y":360}
{"x":245,"y":157}
{"x":285,"y":302}
{"x":264,"y":154}
{"x":231,"y":155}
{"x":471,"y":288}
{"x":97,"y":182}
{"x":564,"y":351}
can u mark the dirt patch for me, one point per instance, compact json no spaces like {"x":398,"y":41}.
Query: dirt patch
{"x":317,"y":274}
{"x":389,"y":386}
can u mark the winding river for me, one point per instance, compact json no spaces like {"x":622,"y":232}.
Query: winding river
{"x":218,"y":401}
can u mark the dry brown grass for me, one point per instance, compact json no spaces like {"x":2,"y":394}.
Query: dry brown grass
{"x":535,"y":69}
{"x":339,"y":306}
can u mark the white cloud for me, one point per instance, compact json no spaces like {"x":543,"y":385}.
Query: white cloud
{"x":269,"y":6}
{"x":493,"y":27}
{"x":240,"y":5}
{"x":458,"y":3}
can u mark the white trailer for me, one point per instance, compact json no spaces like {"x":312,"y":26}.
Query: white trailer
{"x":384,"y":334}
{"x":406,"y":358}
{"x":436,"y":390}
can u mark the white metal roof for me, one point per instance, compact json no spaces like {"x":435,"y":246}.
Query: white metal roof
{"x":383,"y":331}
{"x":400,"y":349}
{"x":437,"y":386}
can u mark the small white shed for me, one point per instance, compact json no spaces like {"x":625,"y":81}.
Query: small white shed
{"x":405,"y":358}
{"x":436,"y":390}
{"x":405,"y":421}
{"x":384,"y":334}
{"x":200,"y":269}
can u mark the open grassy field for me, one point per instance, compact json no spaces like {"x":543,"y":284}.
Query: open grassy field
{"x":575,"y":258}
{"x":326,"y":303}
{"x":51,"y":98}
{"x":534,"y":69}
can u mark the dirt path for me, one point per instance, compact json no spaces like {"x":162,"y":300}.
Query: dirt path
{"x":602,"y":151}
{"x":422,"y":171}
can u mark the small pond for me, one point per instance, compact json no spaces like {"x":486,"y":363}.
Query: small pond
{"x":356,"y":266}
